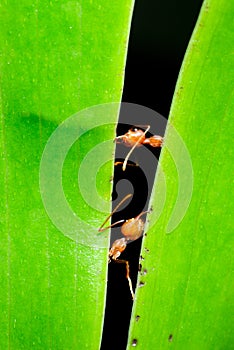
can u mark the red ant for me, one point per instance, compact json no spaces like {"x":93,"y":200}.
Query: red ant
{"x":132,"y":229}
{"x":136,"y":138}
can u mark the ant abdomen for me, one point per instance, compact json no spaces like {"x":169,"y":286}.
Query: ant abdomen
{"x":133,"y":228}
{"x":154,"y":141}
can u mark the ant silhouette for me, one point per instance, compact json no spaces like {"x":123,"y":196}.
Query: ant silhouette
{"x":131,"y":229}
{"x":135,"y":138}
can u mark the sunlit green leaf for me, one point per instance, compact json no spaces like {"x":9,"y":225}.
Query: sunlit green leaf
{"x":184,"y":301}
{"x":56,"y":58}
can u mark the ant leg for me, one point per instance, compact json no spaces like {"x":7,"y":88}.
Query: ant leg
{"x":144,"y":212}
{"x":119,"y":137}
{"x":129,"y":164}
{"x":101,"y":228}
{"x":132,"y":149}
{"x":127,"y":274}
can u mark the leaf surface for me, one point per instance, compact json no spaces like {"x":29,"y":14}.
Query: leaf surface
{"x":183,"y":300}
{"x":56,"y":59}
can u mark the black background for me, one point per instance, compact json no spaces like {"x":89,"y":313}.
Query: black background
{"x":159,"y":36}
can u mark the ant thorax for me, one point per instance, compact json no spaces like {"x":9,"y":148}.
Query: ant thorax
{"x":133,"y":137}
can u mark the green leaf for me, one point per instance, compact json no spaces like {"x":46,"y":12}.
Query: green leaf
{"x":183,"y":299}
{"x":56,"y":59}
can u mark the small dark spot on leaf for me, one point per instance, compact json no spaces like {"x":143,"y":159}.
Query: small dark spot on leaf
{"x":137,"y":318}
{"x":142,"y":271}
{"x":146,"y":250}
{"x":170,"y":338}
{"x":134,"y":342}
{"x":141,"y":284}
{"x":141,"y":258}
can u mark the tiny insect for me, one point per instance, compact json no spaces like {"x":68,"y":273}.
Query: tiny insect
{"x":136,"y":138}
{"x":131,"y":229}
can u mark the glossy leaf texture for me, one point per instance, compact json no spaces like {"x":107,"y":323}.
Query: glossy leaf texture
{"x":184,"y":294}
{"x":56,"y":59}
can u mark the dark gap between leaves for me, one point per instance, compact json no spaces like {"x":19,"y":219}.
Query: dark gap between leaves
{"x":159,"y":36}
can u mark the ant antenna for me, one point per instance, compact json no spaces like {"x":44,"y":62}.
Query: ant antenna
{"x":101,"y":228}
{"x":132,"y":149}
